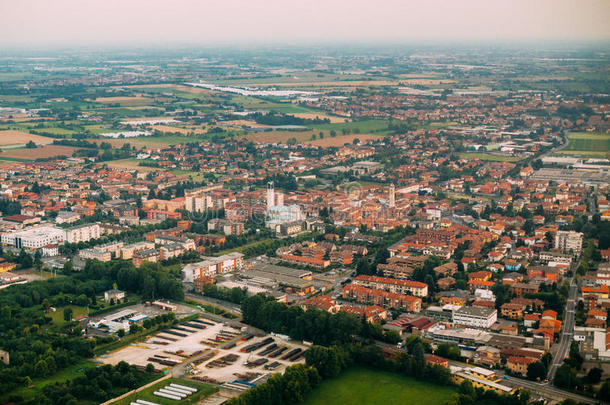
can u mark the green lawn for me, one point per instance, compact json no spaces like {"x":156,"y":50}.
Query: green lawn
{"x":488,"y":157}
{"x":365,"y":386}
{"x":58,"y":315}
{"x":587,"y":144}
{"x":68,"y":373}
{"x":205,"y":390}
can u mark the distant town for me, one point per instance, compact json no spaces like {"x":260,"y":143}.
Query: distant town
{"x":277,"y":227}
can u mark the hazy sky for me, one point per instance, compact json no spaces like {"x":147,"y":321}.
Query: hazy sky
{"x":213,"y":21}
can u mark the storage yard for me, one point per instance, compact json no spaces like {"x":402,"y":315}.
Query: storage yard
{"x":212,"y":352}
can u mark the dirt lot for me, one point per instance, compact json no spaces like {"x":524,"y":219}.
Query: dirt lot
{"x":196,"y":347}
{"x":46,"y":151}
{"x":340,"y":140}
{"x":12,"y":137}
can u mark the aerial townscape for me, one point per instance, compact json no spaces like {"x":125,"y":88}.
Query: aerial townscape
{"x":340,"y":220}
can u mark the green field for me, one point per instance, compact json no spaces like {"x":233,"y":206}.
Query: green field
{"x":488,"y":157}
{"x":365,"y":386}
{"x":362,"y":127}
{"x":58,"y":315}
{"x":68,"y":373}
{"x":205,"y":390}
{"x":585,"y":144}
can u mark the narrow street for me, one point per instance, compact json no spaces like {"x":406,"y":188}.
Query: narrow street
{"x":567,"y":332}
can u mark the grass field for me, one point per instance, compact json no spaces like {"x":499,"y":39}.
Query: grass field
{"x":488,"y":157}
{"x":66,"y":374}
{"x":205,"y":390}
{"x":341,"y":140}
{"x":592,"y":144}
{"x":56,"y":130}
{"x":130,"y":164}
{"x":150,"y":141}
{"x":364,"y":126}
{"x":58,"y":315}
{"x":283,"y":136}
{"x":364,"y":386}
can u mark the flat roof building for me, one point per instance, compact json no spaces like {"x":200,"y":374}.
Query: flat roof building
{"x":475,"y":317}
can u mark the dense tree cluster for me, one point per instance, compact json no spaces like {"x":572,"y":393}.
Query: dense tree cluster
{"x":320,"y":327}
{"x":37,"y":347}
{"x":97,"y":384}
{"x":290,"y":388}
{"x":235,"y":294}
{"x":8,"y":207}
{"x":149,"y":280}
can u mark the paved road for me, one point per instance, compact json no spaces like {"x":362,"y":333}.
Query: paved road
{"x":567,"y":334}
{"x":226,"y":305}
{"x":546,"y":390}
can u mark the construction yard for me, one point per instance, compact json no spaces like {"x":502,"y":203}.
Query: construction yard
{"x":211,"y":352}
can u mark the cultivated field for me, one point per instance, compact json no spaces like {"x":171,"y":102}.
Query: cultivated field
{"x":181,"y":130}
{"x":124,"y":100}
{"x":166,"y":87}
{"x":149,"y":141}
{"x":12,"y":137}
{"x":341,"y":140}
{"x":488,"y":157}
{"x":42,"y":152}
{"x":282,"y":136}
{"x":248,"y":123}
{"x":313,"y":116}
{"x":129,"y":164}
{"x":361,"y":386}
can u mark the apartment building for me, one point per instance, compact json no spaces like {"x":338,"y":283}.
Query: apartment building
{"x":127,"y":252}
{"x":393,"y":285}
{"x":569,"y":242}
{"x":225,"y":226}
{"x":95,"y":254}
{"x":146,"y":255}
{"x":213,"y":266}
{"x":382,"y":298}
{"x":82,"y":233}
{"x":475,"y":317}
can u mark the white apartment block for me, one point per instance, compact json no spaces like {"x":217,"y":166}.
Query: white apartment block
{"x":213,"y":266}
{"x":205,"y":199}
{"x":475,"y":317}
{"x":33,"y":238}
{"x":569,"y":242}
{"x":96,"y":254}
{"x":82,"y":233}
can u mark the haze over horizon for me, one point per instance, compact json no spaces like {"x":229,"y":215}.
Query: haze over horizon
{"x":240,"y":21}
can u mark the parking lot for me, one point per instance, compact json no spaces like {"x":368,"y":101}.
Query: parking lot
{"x":211,"y":352}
